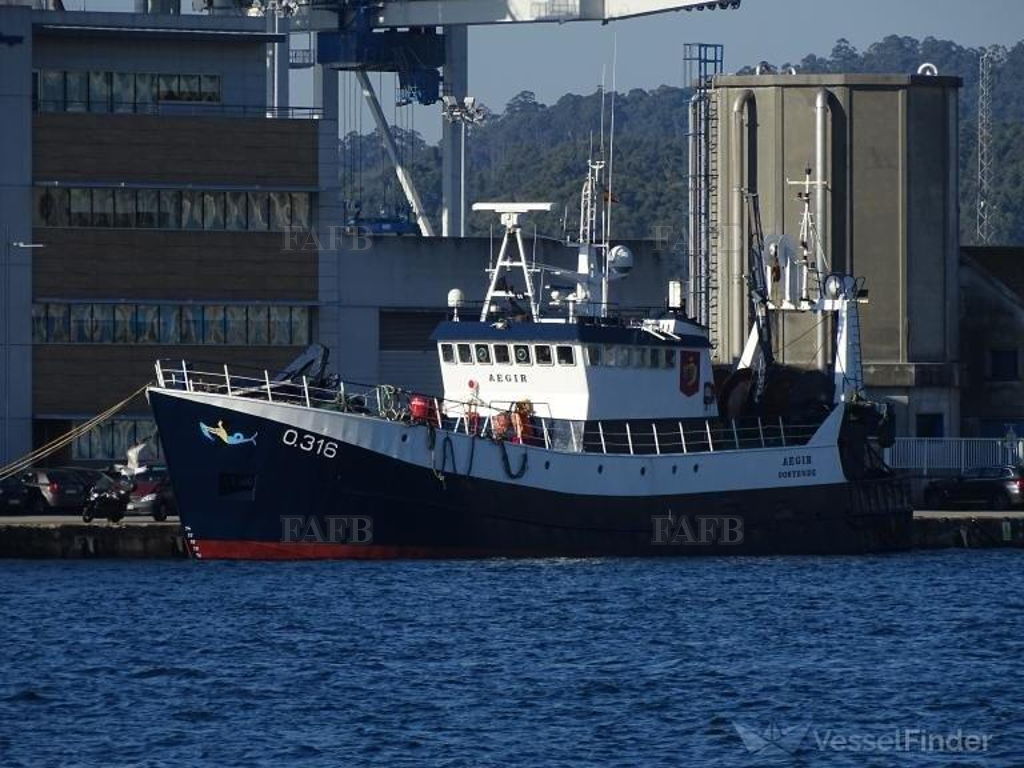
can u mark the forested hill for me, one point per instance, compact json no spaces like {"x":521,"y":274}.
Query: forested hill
{"x":533,"y":151}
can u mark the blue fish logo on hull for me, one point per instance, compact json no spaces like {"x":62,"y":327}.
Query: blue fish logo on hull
{"x":221,"y":432}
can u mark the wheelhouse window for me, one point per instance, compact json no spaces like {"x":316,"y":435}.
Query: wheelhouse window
{"x":622,"y":356}
{"x":594,"y":355}
{"x":543,"y":353}
{"x":465,"y":353}
{"x":483,"y":354}
{"x":501,"y":355}
{"x":565,"y":355}
{"x":522,"y":353}
{"x":640,"y":357}
{"x":654,"y":357}
{"x":670,"y":358}
{"x":447,"y":353}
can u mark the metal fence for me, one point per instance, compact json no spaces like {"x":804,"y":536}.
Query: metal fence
{"x":946,"y":454}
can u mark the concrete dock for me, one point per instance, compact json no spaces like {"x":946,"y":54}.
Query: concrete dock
{"x":54,"y":536}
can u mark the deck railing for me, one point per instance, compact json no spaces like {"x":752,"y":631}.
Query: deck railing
{"x":944,"y":454}
{"x":636,"y":437}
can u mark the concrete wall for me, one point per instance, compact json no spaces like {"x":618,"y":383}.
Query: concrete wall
{"x":15,"y":226}
{"x":891,"y":217}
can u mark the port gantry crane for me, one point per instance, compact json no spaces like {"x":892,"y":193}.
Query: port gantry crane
{"x":425,"y":43}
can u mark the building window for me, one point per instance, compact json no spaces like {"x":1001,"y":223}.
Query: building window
{"x":171,"y":209}
{"x":51,"y":91}
{"x":1003,"y":364}
{"x":105,"y":323}
{"x":930,"y":425}
{"x":76,"y":91}
{"x":111,"y":440}
{"x":99,"y":91}
{"x":121,"y":92}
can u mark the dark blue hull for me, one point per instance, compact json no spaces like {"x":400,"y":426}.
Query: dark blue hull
{"x":267,"y":497}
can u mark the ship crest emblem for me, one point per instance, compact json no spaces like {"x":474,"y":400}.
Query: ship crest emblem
{"x":689,"y":372}
{"x":221,"y":433}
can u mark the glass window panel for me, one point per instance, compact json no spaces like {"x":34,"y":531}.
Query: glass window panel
{"x":80,"y":204}
{"x":170,"y":324}
{"x":123,"y":436}
{"x":522,"y":354}
{"x":100,"y":439}
{"x":280,"y":325}
{"x":465,"y":353}
{"x":213,"y":324}
{"x":188,"y":88}
{"x":259,"y":318}
{"x":76,"y":85}
{"x":543,"y":353}
{"x":593,"y":355}
{"x":124,"y":208}
{"x":448,"y":353}
{"x":80,"y":449}
{"x":640,"y":357}
{"x":51,"y":91}
{"x":103,"y":323}
{"x":102,"y":207}
{"x":483,"y":354}
{"x":57,"y":322}
{"x":565,"y":355}
{"x":123,"y":92}
{"x":170,"y":209}
{"x":81,"y":322}
{"x":191,"y":209}
{"x":145,"y":92}
{"x":213,"y":210}
{"x":300,"y":210}
{"x":670,"y":358}
{"x":234,"y":214}
{"x":147,"y":208}
{"x":236,"y":325}
{"x":622,"y":357}
{"x":300,"y":326}
{"x":259,"y":211}
{"x":191,"y":324}
{"x":501,"y":354}
{"x":39,"y":324}
{"x":99,"y":91}
{"x":654,"y":359}
{"x":124,"y":324}
{"x":280,"y":211}
{"x":147,"y":324}
{"x":167,"y":88}
{"x":210,"y":87}
{"x":50,"y":207}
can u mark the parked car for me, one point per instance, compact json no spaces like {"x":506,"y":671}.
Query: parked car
{"x":997,"y":488}
{"x":14,"y":497}
{"x":53,"y":490}
{"x":87,"y":475}
{"x":152,"y":494}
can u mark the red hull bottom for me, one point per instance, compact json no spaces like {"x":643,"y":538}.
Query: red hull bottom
{"x":215,"y":549}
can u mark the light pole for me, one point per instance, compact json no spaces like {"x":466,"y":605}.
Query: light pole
{"x":465,"y":112}
{"x":9,"y":245}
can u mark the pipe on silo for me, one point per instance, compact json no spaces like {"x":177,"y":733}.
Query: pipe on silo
{"x":695,"y":274}
{"x":821,"y":113}
{"x":737,"y":299}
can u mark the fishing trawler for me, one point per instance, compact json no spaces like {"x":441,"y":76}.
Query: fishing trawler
{"x":565,"y":429}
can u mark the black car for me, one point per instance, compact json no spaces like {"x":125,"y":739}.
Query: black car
{"x":997,"y":488}
{"x":14,"y":498}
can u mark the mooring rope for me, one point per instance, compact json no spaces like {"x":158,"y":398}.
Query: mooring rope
{"x":26,"y":461}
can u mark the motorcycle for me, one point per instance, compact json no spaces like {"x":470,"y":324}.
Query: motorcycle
{"x":107,"y":499}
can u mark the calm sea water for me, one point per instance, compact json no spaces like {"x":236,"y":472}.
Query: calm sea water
{"x":496,"y":663}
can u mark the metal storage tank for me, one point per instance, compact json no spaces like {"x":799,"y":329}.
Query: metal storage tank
{"x":886,"y":146}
